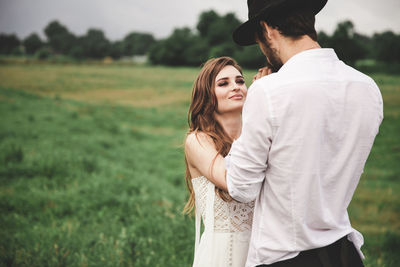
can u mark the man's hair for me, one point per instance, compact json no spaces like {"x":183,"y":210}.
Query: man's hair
{"x":293,"y":25}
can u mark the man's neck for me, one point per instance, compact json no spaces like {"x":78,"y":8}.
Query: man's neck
{"x":289,"y":48}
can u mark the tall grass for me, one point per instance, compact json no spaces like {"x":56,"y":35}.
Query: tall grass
{"x":98,"y":180}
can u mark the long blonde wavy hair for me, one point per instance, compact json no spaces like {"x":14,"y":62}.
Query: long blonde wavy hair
{"x":201,"y":118}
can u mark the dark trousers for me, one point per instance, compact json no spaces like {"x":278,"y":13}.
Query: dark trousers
{"x":342,"y":253}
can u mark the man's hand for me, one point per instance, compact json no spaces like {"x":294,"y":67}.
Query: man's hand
{"x":261,"y":73}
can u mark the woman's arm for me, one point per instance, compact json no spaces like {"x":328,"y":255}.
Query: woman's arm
{"x":200,"y":153}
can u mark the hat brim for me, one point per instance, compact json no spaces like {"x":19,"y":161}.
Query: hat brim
{"x":244,"y":35}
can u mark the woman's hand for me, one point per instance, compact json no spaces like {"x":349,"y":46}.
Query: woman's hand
{"x":262,"y":72}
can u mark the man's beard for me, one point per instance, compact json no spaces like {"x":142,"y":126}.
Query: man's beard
{"x":273,"y":60}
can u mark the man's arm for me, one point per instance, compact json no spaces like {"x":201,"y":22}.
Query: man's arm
{"x":249,"y":153}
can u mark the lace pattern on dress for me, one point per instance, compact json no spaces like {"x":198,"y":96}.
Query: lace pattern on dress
{"x":230,"y":216}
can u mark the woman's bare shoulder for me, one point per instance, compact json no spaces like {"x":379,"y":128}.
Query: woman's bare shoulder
{"x":198,"y":143}
{"x":198,"y":139}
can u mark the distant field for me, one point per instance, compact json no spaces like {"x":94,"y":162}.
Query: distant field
{"x":92,"y":170}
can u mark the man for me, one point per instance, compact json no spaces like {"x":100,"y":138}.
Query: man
{"x":307,"y":131}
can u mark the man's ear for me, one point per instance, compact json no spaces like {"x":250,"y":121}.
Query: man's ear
{"x":268,"y":29}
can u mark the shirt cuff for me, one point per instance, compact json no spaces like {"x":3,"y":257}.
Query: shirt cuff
{"x":234,"y":193}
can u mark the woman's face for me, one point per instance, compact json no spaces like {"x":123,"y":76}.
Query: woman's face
{"x":230,"y":90}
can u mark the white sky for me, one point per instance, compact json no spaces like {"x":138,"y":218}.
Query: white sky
{"x":159,"y":17}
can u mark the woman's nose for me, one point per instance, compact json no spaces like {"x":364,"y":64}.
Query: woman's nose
{"x":236,"y":87}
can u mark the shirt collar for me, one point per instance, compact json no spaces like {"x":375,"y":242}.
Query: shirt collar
{"x":317,"y":53}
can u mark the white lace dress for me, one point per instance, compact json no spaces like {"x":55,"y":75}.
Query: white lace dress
{"x":227,"y":227}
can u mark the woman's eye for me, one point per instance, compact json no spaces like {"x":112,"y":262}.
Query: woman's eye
{"x":240,"y":81}
{"x":222,"y":84}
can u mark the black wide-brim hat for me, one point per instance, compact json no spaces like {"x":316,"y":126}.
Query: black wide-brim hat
{"x":261,"y":9}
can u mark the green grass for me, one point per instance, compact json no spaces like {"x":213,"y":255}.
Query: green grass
{"x":92,"y":170}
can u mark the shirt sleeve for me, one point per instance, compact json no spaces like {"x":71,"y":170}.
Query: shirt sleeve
{"x":249,"y":153}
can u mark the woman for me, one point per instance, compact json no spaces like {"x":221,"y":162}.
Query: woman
{"x":215,"y":121}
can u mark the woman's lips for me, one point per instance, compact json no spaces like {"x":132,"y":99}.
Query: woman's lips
{"x":237,"y":96}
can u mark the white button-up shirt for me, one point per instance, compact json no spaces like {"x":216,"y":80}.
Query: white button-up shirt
{"x":307,"y":132}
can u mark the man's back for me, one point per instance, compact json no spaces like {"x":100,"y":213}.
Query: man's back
{"x":321,"y":119}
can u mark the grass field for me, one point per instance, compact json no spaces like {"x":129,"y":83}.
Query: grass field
{"x":92,"y":170}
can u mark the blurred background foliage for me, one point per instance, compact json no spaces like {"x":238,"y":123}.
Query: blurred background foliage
{"x":191,"y":47}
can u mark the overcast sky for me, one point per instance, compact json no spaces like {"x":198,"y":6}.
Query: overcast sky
{"x":159,"y":17}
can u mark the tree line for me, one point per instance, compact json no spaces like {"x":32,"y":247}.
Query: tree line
{"x":60,"y":41}
{"x":191,"y":47}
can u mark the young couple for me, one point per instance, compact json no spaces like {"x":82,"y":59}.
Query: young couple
{"x":271,"y":171}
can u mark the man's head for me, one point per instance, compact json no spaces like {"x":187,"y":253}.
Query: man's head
{"x":272,"y":30}
{"x":292,"y":25}
{"x":274,"y":11}
{"x":271,"y":21}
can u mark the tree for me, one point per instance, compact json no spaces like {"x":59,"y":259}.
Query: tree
{"x":386,"y":47}
{"x":217,"y":29}
{"x":206,"y":20}
{"x":60,"y":39}
{"x":77,"y":51}
{"x":174,"y":49}
{"x":32,"y":43}
{"x":223,"y":49}
{"x":95,"y":44}
{"x":324,"y":40}
{"x":43,"y":53}
{"x":198,"y":52}
{"x":137,"y":43}
{"x":117,"y":49}
{"x":9,"y":43}
{"x":346,"y":46}
{"x":366,"y":43}
{"x":212,"y":39}
{"x":250,"y":57}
